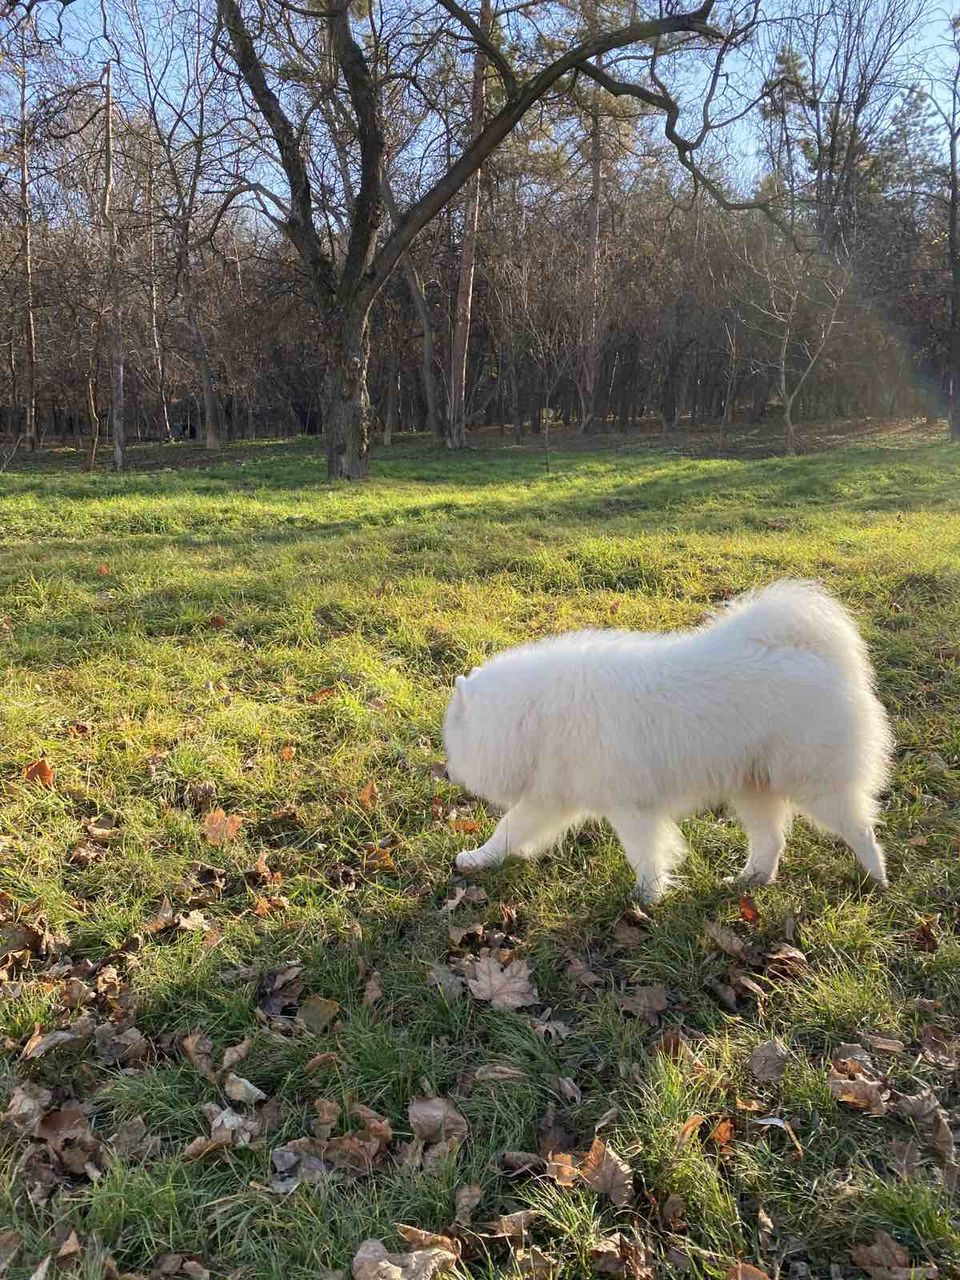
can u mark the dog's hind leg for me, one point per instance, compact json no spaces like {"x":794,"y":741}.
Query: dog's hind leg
{"x":653,"y":846}
{"x":850,"y":815}
{"x":766,"y":819}
{"x":524,"y":831}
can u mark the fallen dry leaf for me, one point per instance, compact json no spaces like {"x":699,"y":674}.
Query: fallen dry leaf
{"x":725,"y":940}
{"x":465,"y":826}
{"x":504,"y":986}
{"x":631,"y":928}
{"x":689,"y":1130}
{"x":26,"y":1107}
{"x":287,"y":753}
{"x":328,"y":1114}
{"x":884,"y":1044}
{"x":852,"y":1060}
{"x":513,"y":1226}
{"x":436,"y":1120}
{"x":746,"y":1271}
{"x":859,"y":1092}
{"x":40,"y":771}
{"x":522,"y":1162}
{"x":328,"y":1059}
{"x":465,"y":1201}
{"x":906,"y":1158}
{"x":235,"y":1054}
{"x":673,"y":1044}
{"x":925,"y":1111}
{"x":884,"y":1259}
{"x":534,"y":1262}
{"x":217,"y":621}
{"x":604,"y":1171}
{"x":722,"y":1135}
{"x":279,"y":991}
{"x":768,"y":1060}
{"x":420,"y":1239}
{"x":372,"y":991}
{"x":219,"y":827}
{"x":925,"y":937}
{"x":548,"y":1028}
{"x":198,"y":1049}
{"x":724,"y":993}
{"x":77,"y":1033}
{"x":238,"y":1089}
{"x":321,"y":695}
{"x":785,"y":963}
{"x":498,"y":1072}
{"x":10,"y":1242}
{"x":562,"y":1168}
{"x":299,"y":1161}
{"x":748,"y":910}
{"x":938,"y":1046}
{"x":618,"y":1255}
{"x":69,"y":1249}
{"x":369,"y":796}
{"x":102,"y":829}
{"x":44,"y":1267}
{"x":448,"y":983}
{"x":132,"y":1141}
{"x":673,"y":1212}
{"x":316,"y":1013}
{"x":646,"y":1002}
{"x":373,"y":1261}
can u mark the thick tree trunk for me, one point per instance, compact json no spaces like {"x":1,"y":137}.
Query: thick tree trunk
{"x":29,"y":329}
{"x":457,"y":416}
{"x":428,"y":364}
{"x":590,"y":361}
{"x":953,"y":350}
{"x":347,"y":415}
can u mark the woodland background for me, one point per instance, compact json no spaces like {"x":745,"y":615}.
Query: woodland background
{"x":755,"y":221}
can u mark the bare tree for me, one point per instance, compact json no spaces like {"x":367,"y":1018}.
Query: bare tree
{"x":345,"y":291}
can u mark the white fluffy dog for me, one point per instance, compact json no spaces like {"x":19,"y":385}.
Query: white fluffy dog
{"x":768,"y":706}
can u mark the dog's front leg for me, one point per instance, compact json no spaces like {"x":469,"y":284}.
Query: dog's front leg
{"x":490,"y":854}
{"x":523,"y":831}
{"x":653,"y":845}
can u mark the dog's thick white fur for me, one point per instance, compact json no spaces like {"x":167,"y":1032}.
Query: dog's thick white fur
{"x":769,"y":707}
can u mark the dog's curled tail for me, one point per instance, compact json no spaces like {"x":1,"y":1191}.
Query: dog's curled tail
{"x":797,"y":614}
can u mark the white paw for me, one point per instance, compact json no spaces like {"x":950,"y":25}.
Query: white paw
{"x":471,"y":860}
{"x":649,"y":892}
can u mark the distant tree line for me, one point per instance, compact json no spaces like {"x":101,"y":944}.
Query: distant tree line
{"x":223,"y":220}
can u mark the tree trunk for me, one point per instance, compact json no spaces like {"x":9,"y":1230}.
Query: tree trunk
{"x":587,"y":383}
{"x":30,"y":334}
{"x":118,"y":425}
{"x":428,"y":364}
{"x":212,"y":414}
{"x":347,"y":415}
{"x":390,"y":409}
{"x":457,"y":424}
{"x":158,"y":356}
{"x":953,"y":350}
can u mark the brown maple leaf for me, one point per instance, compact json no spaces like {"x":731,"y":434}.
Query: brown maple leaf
{"x":503,"y":986}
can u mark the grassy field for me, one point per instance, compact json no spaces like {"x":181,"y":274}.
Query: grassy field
{"x":249,"y":627}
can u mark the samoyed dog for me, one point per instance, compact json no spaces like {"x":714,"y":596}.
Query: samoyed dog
{"x":769,"y":707}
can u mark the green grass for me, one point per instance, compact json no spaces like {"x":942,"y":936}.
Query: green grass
{"x":384,"y":592}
